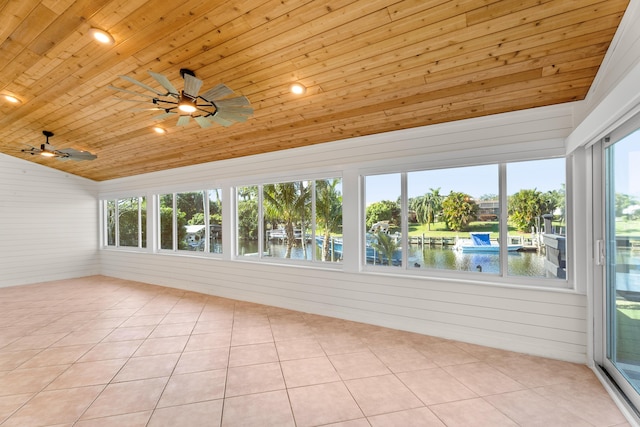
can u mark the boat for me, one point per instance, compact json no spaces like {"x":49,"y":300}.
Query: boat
{"x":481,"y":242}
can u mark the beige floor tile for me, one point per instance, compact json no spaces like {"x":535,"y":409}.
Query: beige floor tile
{"x":127,"y":397}
{"x":360,"y":422}
{"x":29,"y":380}
{"x":151,"y":320}
{"x":178,"y":318}
{"x":323,"y":404}
{"x":128,"y":334}
{"x":403,"y":359}
{"x":270,"y":409}
{"x":12,"y":359}
{"x":87,"y":374}
{"x":102,"y":323}
{"x":341,"y":343}
{"x":251,"y":335}
{"x":447,"y":354}
{"x":252,"y":354}
{"x":472,"y":412}
{"x":136,"y":419}
{"x":213,"y":327}
{"x":435,"y":385}
{"x":172,"y":330}
{"x":299,"y":349}
{"x":528,"y":409}
{"x":170,"y":351}
{"x":83,"y":337}
{"x":419,"y":417}
{"x":207,"y":414}
{"x":111,"y":350}
{"x":139,"y":368}
{"x":209,"y":340}
{"x":203,"y":360}
{"x":195,"y":387}
{"x":358,"y":365}
{"x":31,"y":342}
{"x":254,"y":379}
{"x":155,"y":346}
{"x":379,"y":395}
{"x":9,"y":404}
{"x":483,"y":379}
{"x":57,"y":356}
{"x":586,"y":399}
{"x":54,"y":407}
{"x":302,"y":372}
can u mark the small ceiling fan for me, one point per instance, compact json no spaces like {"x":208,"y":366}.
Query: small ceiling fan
{"x":48,"y":150}
{"x":213,"y":106}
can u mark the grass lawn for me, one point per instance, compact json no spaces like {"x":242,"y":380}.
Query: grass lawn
{"x":439,"y":229}
{"x":628,"y":228}
{"x":628,"y":329}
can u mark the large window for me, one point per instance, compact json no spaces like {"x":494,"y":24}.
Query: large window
{"x":300,"y":220}
{"x":191,"y":221}
{"x":126,"y":222}
{"x":457,"y":219}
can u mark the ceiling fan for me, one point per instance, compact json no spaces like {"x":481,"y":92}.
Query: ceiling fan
{"x":213,"y":106}
{"x":48,"y":150}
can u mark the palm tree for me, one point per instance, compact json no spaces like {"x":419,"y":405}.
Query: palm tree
{"x":286,"y":202}
{"x":386,"y":247}
{"x":432,"y":204}
{"x":328,"y":211}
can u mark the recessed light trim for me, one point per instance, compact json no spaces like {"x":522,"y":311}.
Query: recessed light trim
{"x":159,"y":130}
{"x":101,"y":36}
{"x":297,"y":89}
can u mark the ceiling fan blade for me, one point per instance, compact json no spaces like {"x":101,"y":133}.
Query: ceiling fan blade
{"x":240,"y":101}
{"x":131,"y":100}
{"x":77,"y":154}
{"x":164,"y":115}
{"x":232,"y":116}
{"x":142,"y":85}
{"x":183,"y":120}
{"x":164,"y":82}
{"x":220,"y":120}
{"x":203,"y":121}
{"x":192,"y":85}
{"x":131,"y":92}
{"x":217,"y":92}
{"x":148,"y":109}
{"x":236,"y":110}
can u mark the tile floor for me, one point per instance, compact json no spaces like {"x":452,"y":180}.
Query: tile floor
{"x":100,"y":351}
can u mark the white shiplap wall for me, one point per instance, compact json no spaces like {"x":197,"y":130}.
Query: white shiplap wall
{"x":48,"y":224}
{"x":541,"y":321}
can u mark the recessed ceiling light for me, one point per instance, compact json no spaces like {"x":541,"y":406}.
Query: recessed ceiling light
{"x":101,"y":36}
{"x":158,"y":129}
{"x":297,"y":88}
{"x":12,"y":99}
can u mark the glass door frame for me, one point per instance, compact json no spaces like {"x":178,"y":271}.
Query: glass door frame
{"x":629,"y":397}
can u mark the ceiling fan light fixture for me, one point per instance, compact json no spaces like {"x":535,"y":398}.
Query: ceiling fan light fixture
{"x":101,"y":36}
{"x":45,"y":151}
{"x":297,"y":89}
{"x":187,"y":104}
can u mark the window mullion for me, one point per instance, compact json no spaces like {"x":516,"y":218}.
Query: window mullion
{"x":503,"y":239}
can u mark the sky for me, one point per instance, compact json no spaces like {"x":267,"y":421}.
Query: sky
{"x":543,"y":175}
{"x":627,"y":165}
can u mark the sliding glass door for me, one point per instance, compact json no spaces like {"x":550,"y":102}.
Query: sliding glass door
{"x":621,"y":328}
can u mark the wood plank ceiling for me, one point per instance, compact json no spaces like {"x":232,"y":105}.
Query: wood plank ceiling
{"x":369,"y":66}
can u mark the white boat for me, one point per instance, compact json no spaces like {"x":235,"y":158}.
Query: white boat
{"x":481,"y":242}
